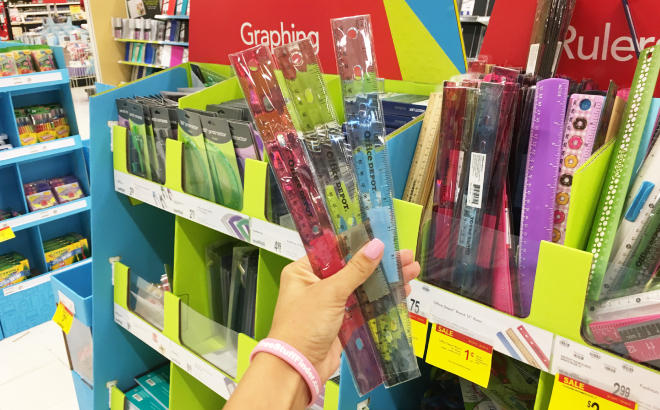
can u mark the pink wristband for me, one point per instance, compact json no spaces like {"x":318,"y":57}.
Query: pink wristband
{"x":295,"y":360}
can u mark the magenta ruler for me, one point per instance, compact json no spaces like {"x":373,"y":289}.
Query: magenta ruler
{"x":541,"y":176}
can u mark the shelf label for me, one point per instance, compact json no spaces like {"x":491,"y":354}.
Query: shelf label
{"x":569,"y":393}
{"x":202,"y":371}
{"x":121,"y":316}
{"x":68,"y":303}
{"x":30,"y":79}
{"x":37,"y":148}
{"x":28,"y":284}
{"x":277,"y":239}
{"x":606,"y":372}
{"x":41,"y":215}
{"x":419,"y":326}
{"x":6,"y":234}
{"x":149,"y":335}
{"x":63,"y":318}
{"x":460,"y":354}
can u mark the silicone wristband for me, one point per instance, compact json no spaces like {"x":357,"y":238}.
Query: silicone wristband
{"x":295,"y":360}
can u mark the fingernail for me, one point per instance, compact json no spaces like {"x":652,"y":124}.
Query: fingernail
{"x":374,"y":248}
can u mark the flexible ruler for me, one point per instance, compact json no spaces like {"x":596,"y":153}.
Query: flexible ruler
{"x":583,"y":117}
{"x":420,"y":179}
{"x":540,"y":180}
{"x":256,"y":74}
{"x":363,"y":110}
{"x":327,"y":152}
{"x":617,"y":180}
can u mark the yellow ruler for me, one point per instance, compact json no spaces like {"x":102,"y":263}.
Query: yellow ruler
{"x":422,"y":170}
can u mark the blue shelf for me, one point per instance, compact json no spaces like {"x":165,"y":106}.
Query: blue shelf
{"x":28,"y":83}
{"x":48,"y":215}
{"x":40,"y":151}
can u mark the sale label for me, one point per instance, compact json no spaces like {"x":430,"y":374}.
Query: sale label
{"x":6,"y":234}
{"x":569,"y":393}
{"x":63,"y":318}
{"x":419,"y":327}
{"x":460,"y":354}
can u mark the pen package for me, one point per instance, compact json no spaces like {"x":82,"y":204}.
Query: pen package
{"x":225,"y":175}
{"x":196,"y":169}
{"x":39,"y":195}
{"x":44,"y":60}
{"x":66,"y":189}
{"x":7,"y":65}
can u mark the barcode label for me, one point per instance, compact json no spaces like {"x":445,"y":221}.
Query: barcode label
{"x":137,"y":397}
{"x":151,"y":382}
{"x":476,"y":181}
{"x":531,"y":60}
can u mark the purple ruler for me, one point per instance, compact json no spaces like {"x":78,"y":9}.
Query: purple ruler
{"x":545,"y":141}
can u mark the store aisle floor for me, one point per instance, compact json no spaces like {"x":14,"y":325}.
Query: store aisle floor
{"x":34,"y":371}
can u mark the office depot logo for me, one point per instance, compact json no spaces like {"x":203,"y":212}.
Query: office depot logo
{"x":274,"y":38}
{"x":603,"y":48}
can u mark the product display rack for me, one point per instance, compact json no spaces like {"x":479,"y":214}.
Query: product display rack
{"x":170,"y":43}
{"x":31,"y":302}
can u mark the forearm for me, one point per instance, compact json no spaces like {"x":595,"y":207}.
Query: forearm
{"x":270,"y":384}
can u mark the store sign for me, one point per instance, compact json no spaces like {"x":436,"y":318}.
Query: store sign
{"x":414,"y":40}
{"x":598,"y":44}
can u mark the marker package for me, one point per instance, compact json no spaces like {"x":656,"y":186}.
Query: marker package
{"x":353,"y":40}
{"x":295,"y":176}
{"x":196,"y":170}
{"x":325,"y":147}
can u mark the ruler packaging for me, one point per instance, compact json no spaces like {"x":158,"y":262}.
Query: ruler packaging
{"x":256,"y":74}
{"x":332,"y":163}
{"x":475,"y":189}
{"x":458,"y":111}
{"x":541,"y":176}
{"x":363,"y":110}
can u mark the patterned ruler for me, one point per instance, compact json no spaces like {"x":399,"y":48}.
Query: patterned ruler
{"x":620,"y":171}
{"x":541,"y":180}
{"x":582,"y":121}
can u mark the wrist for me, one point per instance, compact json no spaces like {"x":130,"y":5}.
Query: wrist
{"x":292,"y":388}
{"x":296,"y":361}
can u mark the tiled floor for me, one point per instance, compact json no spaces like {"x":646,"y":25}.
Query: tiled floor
{"x":34,"y":371}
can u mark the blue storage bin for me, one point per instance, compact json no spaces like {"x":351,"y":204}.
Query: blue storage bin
{"x":84,"y":392}
{"x":26,"y":305}
{"x":75,"y":283}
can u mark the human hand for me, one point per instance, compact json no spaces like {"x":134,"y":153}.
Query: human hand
{"x":310,"y":311}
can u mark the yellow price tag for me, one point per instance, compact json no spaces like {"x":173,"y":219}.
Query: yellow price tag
{"x":63,"y":318}
{"x":460,"y":354}
{"x":419,"y":326}
{"x":573,"y":394}
{"x":6,"y":234}
{"x":74,"y":9}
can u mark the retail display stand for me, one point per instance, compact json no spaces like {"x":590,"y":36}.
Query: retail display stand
{"x":31,"y":302}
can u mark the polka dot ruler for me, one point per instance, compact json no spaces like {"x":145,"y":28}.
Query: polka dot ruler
{"x":541,"y":175}
{"x":617,"y":179}
{"x":582,"y":118}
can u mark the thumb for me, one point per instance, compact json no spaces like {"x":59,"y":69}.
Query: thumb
{"x":358,"y":269}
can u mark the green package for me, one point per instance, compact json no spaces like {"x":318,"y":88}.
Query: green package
{"x":196,"y":170}
{"x":222,"y":162}
{"x":138,"y":152}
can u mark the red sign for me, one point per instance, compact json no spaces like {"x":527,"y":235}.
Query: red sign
{"x":220,"y":30}
{"x":598,"y":44}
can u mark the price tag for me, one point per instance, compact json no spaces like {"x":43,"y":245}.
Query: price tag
{"x":63,"y":318}
{"x":569,"y":393}
{"x":460,"y":354}
{"x":6,"y":234}
{"x":419,"y":327}
{"x":74,"y":9}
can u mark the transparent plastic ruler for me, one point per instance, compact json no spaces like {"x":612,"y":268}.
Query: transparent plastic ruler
{"x":331,"y":161}
{"x":356,"y":62}
{"x":256,"y":73}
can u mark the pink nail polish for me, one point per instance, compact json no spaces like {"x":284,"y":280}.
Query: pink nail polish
{"x":374,"y":248}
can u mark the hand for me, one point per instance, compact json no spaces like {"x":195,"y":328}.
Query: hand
{"x":310,"y":311}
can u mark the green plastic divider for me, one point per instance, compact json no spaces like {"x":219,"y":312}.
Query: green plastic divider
{"x":268,"y":287}
{"x":245,"y":347}
{"x":331,"y":396}
{"x":120,"y":289}
{"x":188,"y":393}
{"x":544,"y":391}
{"x":117,"y":399}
